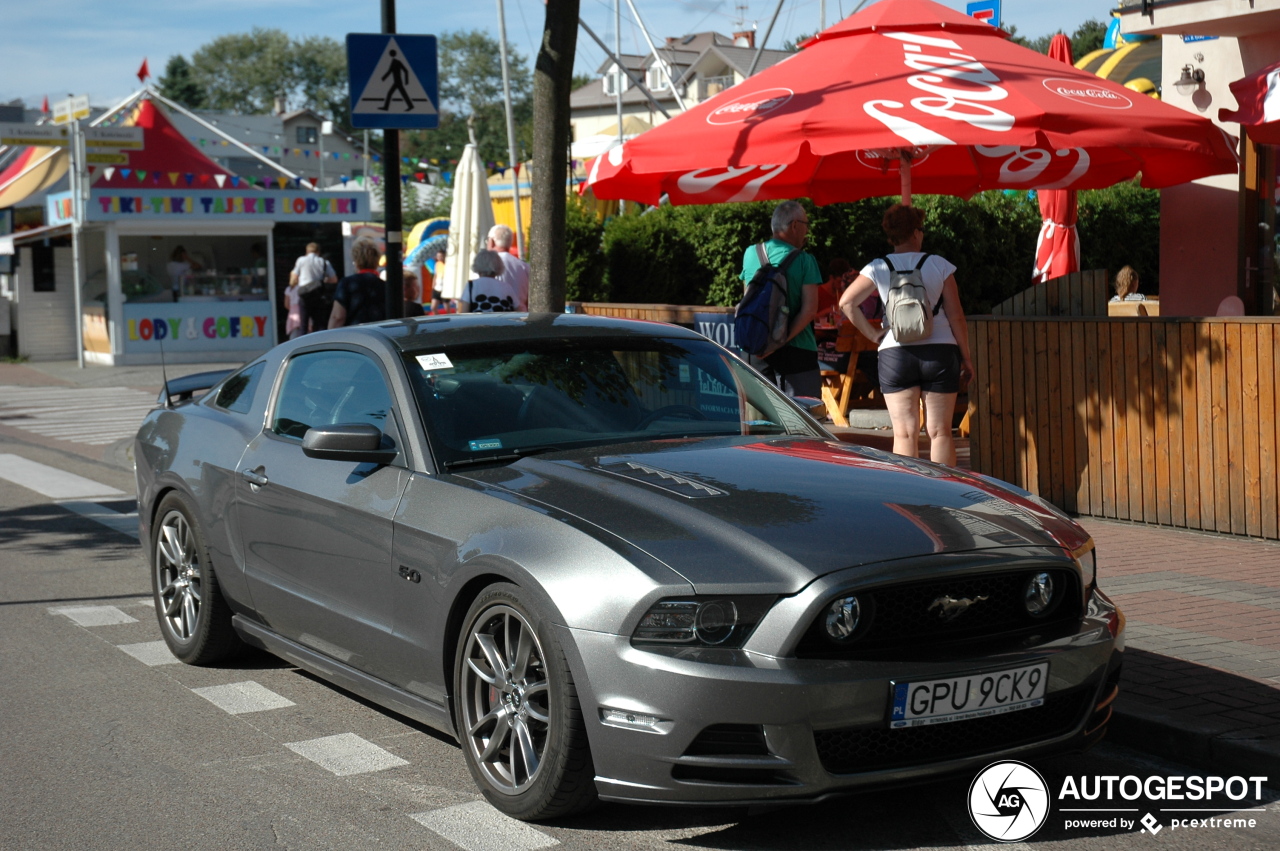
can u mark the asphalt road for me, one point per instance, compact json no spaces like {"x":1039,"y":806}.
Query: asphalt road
{"x":108,"y":742}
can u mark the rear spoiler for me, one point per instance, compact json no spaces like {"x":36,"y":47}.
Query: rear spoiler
{"x":186,"y":387}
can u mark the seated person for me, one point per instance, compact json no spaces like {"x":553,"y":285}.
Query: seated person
{"x":1127,"y":286}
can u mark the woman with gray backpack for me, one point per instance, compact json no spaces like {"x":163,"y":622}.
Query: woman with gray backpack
{"x":924,"y":344}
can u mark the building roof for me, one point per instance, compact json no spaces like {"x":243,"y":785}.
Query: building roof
{"x":737,"y":58}
{"x":166,"y":152}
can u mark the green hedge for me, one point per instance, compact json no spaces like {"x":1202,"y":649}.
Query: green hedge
{"x":693,"y":254}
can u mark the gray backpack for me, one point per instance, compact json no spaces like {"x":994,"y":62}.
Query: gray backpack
{"x":906,"y":310}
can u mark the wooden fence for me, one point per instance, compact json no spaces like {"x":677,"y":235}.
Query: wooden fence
{"x":677,"y":314}
{"x":1078,"y":294}
{"x":1161,"y":420}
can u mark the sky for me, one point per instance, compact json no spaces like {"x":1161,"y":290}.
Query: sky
{"x":62,"y":47}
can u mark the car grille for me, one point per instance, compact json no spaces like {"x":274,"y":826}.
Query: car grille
{"x":871,"y":749}
{"x":898,"y":618}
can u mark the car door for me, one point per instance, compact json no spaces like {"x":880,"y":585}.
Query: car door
{"x":317,"y":533}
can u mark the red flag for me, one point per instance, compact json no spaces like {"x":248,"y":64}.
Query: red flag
{"x":143,"y":72}
{"x":44,"y":107}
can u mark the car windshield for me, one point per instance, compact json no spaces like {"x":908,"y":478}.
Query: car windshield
{"x":499,"y":402}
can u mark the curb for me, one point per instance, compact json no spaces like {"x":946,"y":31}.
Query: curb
{"x":1200,"y":742}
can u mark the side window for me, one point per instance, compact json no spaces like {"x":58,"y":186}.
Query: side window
{"x":237,"y":392}
{"x":331,"y":388}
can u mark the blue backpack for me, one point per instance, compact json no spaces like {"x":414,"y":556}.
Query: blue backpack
{"x":762,"y":318}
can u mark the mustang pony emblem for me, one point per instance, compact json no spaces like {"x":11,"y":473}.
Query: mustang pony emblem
{"x":949,"y":608}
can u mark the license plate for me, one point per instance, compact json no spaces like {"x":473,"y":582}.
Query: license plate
{"x":960,"y":698}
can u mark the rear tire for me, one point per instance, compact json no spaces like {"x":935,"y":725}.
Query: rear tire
{"x":517,"y":713}
{"x":194,"y":618}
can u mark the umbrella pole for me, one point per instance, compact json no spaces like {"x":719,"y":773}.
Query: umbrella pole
{"x":904,"y":170}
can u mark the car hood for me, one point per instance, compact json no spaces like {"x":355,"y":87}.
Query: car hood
{"x":772,"y":515}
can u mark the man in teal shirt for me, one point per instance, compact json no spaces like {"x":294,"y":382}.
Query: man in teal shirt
{"x":794,"y":367}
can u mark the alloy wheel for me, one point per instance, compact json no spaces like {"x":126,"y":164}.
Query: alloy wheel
{"x":178,"y":570}
{"x":506,"y":699}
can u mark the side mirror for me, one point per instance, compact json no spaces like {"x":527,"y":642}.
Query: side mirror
{"x":815,"y":407}
{"x":359,"y":443}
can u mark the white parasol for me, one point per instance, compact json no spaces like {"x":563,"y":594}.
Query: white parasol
{"x":470,"y":217}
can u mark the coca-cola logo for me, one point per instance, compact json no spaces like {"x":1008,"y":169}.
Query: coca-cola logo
{"x":754,"y":105}
{"x":1084,"y":92}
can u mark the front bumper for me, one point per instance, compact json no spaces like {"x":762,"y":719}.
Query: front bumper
{"x":812,"y":728}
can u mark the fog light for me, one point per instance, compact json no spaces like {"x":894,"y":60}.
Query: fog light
{"x":1039,"y":593}
{"x":630,"y":720}
{"x":842,"y":618}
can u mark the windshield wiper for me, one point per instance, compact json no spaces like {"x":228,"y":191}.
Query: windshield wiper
{"x":504,"y":458}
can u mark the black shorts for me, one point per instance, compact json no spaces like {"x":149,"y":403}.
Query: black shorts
{"x":933,"y":367}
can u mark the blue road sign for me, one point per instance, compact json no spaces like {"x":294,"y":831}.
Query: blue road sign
{"x":985,"y":10}
{"x":393,"y":81}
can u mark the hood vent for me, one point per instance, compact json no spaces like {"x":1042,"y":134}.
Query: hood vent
{"x":670,"y":482}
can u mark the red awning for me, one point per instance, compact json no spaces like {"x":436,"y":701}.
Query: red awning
{"x":167,"y":158}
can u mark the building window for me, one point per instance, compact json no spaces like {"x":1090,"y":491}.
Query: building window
{"x":612,"y":80}
{"x":308,"y":135}
{"x":657,"y":81}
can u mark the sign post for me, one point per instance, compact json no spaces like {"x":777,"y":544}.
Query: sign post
{"x":393,"y":86}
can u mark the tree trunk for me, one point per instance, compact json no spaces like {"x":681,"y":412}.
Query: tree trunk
{"x":552,"y":82}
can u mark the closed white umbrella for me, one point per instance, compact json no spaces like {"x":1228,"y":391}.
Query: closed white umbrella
{"x":470,"y":217}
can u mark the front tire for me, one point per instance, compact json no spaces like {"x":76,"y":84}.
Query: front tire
{"x":194,"y":618}
{"x":517,"y":711}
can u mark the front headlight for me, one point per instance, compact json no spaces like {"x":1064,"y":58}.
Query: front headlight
{"x":704,"y":621}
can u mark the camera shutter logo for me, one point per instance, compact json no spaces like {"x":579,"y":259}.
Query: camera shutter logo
{"x":1008,"y":801}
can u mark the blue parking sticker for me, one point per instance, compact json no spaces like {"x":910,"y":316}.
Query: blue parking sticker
{"x":479,"y":445}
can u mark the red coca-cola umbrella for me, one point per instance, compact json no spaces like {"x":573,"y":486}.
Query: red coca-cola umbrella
{"x":1058,"y":246}
{"x":1259,"y":97}
{"x":915,"y":83}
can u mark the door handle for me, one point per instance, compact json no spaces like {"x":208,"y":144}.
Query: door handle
{"x":253,"y":477}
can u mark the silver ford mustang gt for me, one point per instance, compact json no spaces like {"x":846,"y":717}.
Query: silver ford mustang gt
{"x":617,"y":564}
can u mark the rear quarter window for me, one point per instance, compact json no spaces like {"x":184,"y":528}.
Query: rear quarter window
{"x":237,"y":393}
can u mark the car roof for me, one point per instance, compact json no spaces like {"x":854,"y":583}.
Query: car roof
{"x":431,"y":333}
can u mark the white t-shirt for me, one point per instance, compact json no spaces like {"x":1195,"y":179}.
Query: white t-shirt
{"x":489,"y":295}
{"x":312,"y":269}
{"x":517,"y":275}
{"x":935,"y":272}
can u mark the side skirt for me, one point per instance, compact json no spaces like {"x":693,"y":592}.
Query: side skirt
{"x":372,"y":688}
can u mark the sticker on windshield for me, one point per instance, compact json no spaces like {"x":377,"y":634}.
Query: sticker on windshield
{"x":480,"y":445}
{"x":433,"y":362}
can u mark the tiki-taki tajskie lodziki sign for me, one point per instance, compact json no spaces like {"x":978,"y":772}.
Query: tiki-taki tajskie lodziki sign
{"x":107,"y":205}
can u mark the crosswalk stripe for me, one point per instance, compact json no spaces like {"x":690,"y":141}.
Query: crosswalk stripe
{"x":477,"y":826}
{"x":93,"y":416}
{"x":50,"y":481}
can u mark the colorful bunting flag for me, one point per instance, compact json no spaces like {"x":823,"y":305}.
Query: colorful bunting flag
{"x":125,"y":172}
{"x":173,"y":178}
{"x":188,"y":177}
{"x":109,"y":171}
{"x":142,"y":175}
{"x":344,"y":179}
{"x":220,"y":179}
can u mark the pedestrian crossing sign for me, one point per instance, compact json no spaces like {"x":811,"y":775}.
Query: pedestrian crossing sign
{"x":393,"y":81}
